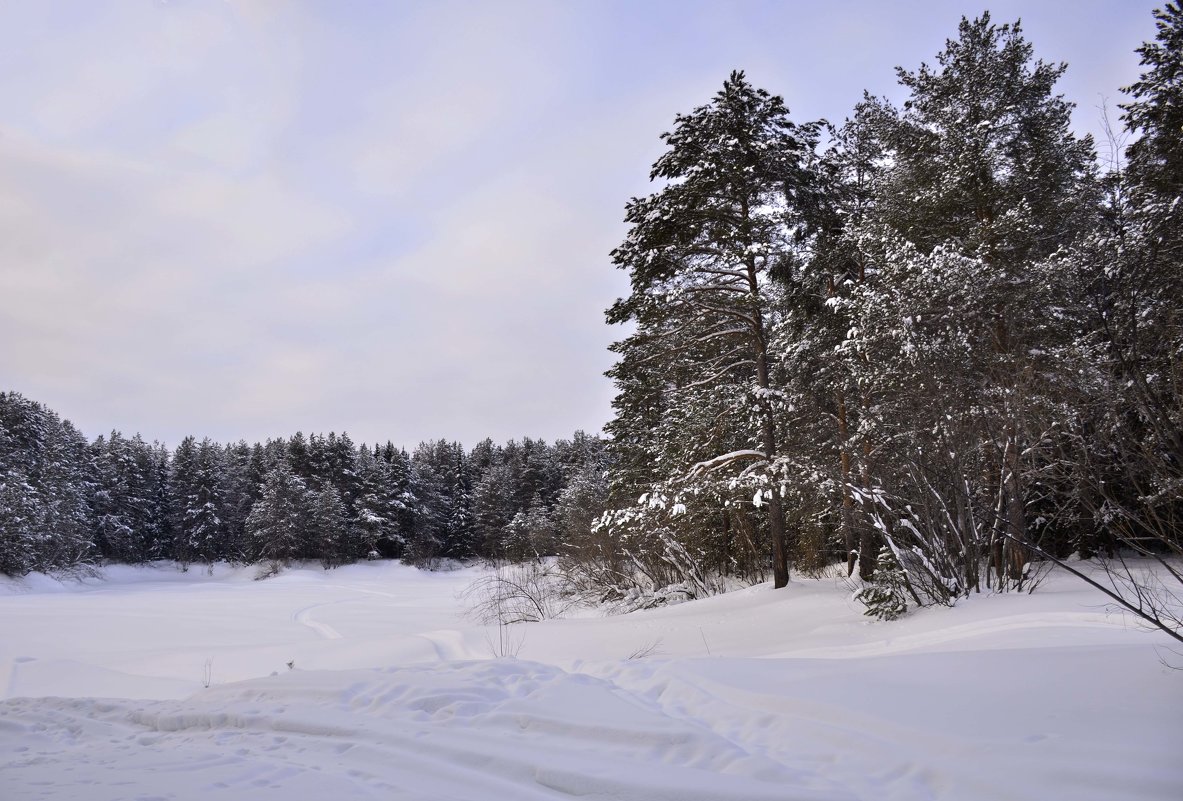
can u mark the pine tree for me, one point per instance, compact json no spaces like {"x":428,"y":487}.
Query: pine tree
{"x":1155,"y":111}
{"x":342,"y":459}
{"x":1127,"y":453}
{"x":162,"y":503}
{"x":885,"y":597}
{"x":578,"y":507}
{"x":299,"y":456}
{"x":426,"y":538}
{"x":829,"y":440}
{"x":19,"y":524}
{"x":67,"y":482}
{"x":961,"y":334}
{"x":700,"y":252}
{"x":181,"y":479}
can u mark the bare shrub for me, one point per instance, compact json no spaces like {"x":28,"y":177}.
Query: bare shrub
{"x":522,"y":593}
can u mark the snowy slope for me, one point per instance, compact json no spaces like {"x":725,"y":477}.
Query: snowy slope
{"x":393,"y":694}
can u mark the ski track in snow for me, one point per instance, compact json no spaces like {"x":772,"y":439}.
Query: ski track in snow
{"x":448,"y":644}
{"x":304,"y":618}
{"x":1016,"y":698}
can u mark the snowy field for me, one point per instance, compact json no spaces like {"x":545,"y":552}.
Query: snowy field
{"x":368,"y":682}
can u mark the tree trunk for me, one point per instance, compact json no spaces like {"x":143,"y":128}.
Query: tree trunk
{"x":868,"y":548}
{"x":780,"y":556}
{"x":776,"y":513}
{"x":1016,"y":523}
{"x":847,"y":500}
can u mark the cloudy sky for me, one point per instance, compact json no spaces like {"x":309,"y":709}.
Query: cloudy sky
{"x":241,"y":219}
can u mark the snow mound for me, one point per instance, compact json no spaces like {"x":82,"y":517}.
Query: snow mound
{"x":370,"y":682}
{"x":469,"y":730}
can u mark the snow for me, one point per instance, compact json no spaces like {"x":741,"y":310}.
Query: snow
{"x":393,"y":693}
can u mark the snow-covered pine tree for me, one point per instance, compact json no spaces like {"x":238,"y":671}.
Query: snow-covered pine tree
{"x":299,"y":457}
{"x":205,"y":513}
{"x":342,"y":463}
{"x":22,"y":437}
{"x":699,"y":253}
{"x":67,"y":481}
{"x":240,"y":487}
{"x":181,"y":479}
{"x":162,"y":503}
{"x":962,"y":331}
{"x":198,"y":493}
{"x":1127,"y":443}
{"x":828,"y":441}
{"x":1155,"y":110}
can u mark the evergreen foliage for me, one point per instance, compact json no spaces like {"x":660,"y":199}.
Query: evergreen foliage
{"x":885,"y":597}
{"x":700,"y":253}
{"x":64,"y":503}
{"x":956,"y":349}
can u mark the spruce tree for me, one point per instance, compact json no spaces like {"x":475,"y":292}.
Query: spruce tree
{"x":327,"y":529}
{"x":46,"y":484}
{"x":277,"y":527}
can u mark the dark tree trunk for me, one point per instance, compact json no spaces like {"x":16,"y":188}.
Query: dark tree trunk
{"x":847,"y":500}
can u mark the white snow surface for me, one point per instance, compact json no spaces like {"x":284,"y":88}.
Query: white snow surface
{"x":393,"y":693}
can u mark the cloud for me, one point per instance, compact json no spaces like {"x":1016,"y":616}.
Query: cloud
{"x":123,"y":273}
{"x":241,"y":219}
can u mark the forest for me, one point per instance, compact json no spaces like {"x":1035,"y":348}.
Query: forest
{"x":938,"y":344}
{"x":66,"y":502}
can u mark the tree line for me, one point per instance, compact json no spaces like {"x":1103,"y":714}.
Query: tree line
{"x":65,"y":501}
{"x":939,"y":343}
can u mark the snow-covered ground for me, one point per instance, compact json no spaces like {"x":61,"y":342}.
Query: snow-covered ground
{"x":368,"y":682}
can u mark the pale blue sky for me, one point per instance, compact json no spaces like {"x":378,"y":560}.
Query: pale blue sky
{"x":243,"y":219}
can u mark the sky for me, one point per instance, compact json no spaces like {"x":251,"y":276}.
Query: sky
{"x":245,"y":219}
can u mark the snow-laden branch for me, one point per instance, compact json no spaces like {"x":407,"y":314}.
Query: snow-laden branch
{"x":736,"y":290}
{"x":737,"y":314}
{"x":711,"y":465}
{"x":714,"y":377}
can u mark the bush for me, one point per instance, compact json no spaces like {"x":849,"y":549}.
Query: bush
{"x":521,"y":593}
